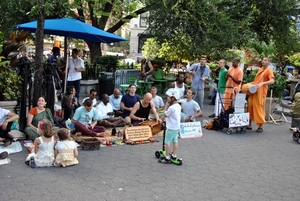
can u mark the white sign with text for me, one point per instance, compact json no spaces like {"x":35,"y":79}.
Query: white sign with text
{"x":237,"y":120}
{"x":190,"y":130}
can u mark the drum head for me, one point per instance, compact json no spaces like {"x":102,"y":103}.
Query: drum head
{"x":252,"y":89}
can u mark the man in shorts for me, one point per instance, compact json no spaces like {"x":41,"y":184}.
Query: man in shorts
{"x":172,"y":116}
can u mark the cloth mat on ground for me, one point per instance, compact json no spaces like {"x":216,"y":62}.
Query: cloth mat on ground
{"x":15,"y":147}
{"x":109,"y":138}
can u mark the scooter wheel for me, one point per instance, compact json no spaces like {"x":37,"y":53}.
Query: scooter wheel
{"x":157,"y":154}
{"x":296,"y":136}
{"x":299,"y":140}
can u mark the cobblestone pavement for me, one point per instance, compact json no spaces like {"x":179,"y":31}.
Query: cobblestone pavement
{"x":250,"y":166}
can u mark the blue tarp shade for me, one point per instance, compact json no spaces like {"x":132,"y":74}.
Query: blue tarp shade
{"x":290,"y":67}
{"x":73,"y":29}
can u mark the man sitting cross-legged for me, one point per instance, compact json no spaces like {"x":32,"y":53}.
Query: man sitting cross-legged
{"x":85,"y":120}
{"x":141,"y":110}
{"x":106,"y":114}
{"x":190,"y":108}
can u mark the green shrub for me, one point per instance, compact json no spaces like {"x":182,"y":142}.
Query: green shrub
{"x":11,"y":82}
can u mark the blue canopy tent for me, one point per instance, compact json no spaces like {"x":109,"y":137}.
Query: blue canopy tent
{"x":73,"y":29}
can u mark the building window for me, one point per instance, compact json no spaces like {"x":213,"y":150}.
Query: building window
{"x":143,"y":20}
{"x":142,"y":41}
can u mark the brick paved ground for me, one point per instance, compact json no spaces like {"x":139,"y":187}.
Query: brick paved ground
{"x":250,"y":166}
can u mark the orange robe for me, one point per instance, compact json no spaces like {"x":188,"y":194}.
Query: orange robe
{"x":232,"y":88}
{"x":257,"y":101}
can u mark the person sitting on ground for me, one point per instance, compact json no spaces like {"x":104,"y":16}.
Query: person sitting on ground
{"x":43,"y":146}
{"x":106,"y":114}
{"x":190,"y":108}
{"x":115,"y":100}
{"x":128,"y":101}
{"x":36,"y":114}
{"x":180,"y":85}
{"x":6,"y":119}
{"x":65,"y":152}
{"x":85,"y":120}
{"x":69,"y":103}
{"x":141,"y":110}
{"x":93,"y":97}
{"x":157,"y":100}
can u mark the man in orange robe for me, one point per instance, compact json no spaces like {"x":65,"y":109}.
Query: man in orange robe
{"x":257,"y":101}
{"x":234,"y":79}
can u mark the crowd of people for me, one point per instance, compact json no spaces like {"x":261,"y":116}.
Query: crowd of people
{"x":92,"y":116}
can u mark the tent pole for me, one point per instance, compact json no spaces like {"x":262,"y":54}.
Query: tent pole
{"x":66,"y":55}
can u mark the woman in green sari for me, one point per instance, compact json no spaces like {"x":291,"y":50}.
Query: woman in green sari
{"x":37,"y":114}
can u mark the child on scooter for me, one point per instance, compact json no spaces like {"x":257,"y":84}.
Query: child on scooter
{"x":172,"y":116}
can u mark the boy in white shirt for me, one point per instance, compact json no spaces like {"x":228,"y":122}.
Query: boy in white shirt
{"x":172,"y":116}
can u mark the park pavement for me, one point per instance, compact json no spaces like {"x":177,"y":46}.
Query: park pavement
{"x":250,"y":166}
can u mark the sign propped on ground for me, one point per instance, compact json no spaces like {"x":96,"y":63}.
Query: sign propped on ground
{"x":137,"y":133}
{"x":190,"y":130}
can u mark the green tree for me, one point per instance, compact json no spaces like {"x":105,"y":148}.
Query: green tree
{"x":216,"y":25}
{"x":151,"y":48}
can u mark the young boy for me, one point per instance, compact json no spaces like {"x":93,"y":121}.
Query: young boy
{"x":172,"y":116}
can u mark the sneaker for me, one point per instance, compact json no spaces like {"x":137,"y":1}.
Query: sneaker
{"x":3,"y":155}
{"x":32,"y":162}
{"x":212,"y":116}
{"x":172,"y":157}
{"x":204,"y":123}
{"x":7,"y":142}
{"x":164,"y":160}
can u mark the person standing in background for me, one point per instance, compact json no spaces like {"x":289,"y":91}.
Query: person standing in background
{"x":201,"y":73}
{"x":221,"y":89}
{"x":257,"y":101}
{"x":75,"y":67}
{"x":234,"y":80}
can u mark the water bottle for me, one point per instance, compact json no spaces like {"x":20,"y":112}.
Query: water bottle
{"x":113,"y":131}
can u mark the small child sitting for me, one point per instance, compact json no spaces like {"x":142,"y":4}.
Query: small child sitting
{"x":43,"y":155}
{"x":65,"y":150}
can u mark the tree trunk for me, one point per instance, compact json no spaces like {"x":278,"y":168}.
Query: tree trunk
{"x":95,"y":49}
{"x":39,"y":44}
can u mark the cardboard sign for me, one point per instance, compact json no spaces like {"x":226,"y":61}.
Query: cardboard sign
{"x":190,"y":130}
{"x":237,"y":120}
{"x":137,"y":133}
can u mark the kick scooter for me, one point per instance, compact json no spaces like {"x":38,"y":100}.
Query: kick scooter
{"x":162,"y":152}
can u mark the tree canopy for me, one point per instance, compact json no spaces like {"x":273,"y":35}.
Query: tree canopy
{"x":206,"y":27}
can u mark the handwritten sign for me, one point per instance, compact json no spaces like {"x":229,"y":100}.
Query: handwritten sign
{"x":137,"y":133}
{"x":190,"y":130}
{"x":237,"y":120}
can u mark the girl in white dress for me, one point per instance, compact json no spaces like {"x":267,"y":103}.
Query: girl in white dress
{"x":65,"y":149}
{"x":43,"y":146}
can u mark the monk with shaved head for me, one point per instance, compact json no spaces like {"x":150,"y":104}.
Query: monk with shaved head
{"x":141,"y":110}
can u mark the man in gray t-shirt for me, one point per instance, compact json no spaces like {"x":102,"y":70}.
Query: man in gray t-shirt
{"x":157,"y":100}
{"x":190,"y":108}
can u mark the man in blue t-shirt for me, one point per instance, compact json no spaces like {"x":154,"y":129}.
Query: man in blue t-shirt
{"x":128,"y":101}
{"x":85,"y":120}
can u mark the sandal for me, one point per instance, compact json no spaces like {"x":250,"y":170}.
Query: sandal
{"x":259,"y":130}
{"x":3,"y":155}
{"x":7,"y":142}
